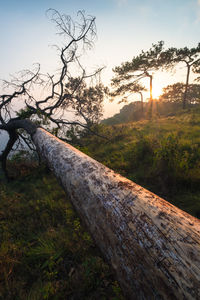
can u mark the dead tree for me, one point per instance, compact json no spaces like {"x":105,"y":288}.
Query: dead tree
{"x":153,"y":246}
{"x":64,"y":92}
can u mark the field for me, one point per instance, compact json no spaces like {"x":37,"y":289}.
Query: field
{"x":162,"y":155}
{"x":45,"y":251}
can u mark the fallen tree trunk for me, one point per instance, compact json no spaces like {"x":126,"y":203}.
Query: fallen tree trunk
{"x":153,"y":246}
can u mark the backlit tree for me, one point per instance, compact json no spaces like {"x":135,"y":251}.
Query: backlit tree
{"x":69,"y":103}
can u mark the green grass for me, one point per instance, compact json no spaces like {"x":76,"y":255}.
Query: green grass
{"x":45,"y":252}
{"x":162,"y":155}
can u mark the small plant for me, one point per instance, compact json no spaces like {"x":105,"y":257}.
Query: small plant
{"x":45,"y":252}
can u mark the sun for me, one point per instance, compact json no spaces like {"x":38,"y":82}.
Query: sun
{"x":157,"y":91}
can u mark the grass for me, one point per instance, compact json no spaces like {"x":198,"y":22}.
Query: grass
{"x":45,"y":252}
{"x":162,"y":155}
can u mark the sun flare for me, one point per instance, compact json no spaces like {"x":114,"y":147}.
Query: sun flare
{"x":157,"y":91}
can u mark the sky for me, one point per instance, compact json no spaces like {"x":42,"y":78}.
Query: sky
{"x":124,"y":28}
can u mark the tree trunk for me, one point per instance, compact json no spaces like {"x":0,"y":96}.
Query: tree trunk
{"x":11,"y":128}
{"x":151,"y":79}
{"x":153,"y":246}
{"x":13,"y":136}
{"x":186,"y":86}
{"x":142,"y":102}
{"x":151,"y":96}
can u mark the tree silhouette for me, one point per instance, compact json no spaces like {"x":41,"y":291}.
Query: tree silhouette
{"x":127,"y":90}
{"x":63,"y":93}
{"x":191,"y":58}
{"x":128,"y":73}
{"x":174,"y":93}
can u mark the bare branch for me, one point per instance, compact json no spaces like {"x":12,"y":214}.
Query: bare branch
{"x":63,"y":92}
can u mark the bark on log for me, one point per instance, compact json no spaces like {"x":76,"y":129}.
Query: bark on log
{"x":153,"y":246}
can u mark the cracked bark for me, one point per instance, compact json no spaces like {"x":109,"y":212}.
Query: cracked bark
{"x":153,"y":246}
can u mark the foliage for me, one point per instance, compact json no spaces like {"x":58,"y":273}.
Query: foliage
{"x":127,"y":75}
{"x":69,"y":100}
{"x":191,"y":58}
{"x":162,"y":155}
{"x":175,"y":93}
{"x":168,"y":105}
{"x":85,"y":101}
{"x":45,"y":252}
{"x":156,"y":58}
{"x":149,"y":60}
{"x":128,"y":113}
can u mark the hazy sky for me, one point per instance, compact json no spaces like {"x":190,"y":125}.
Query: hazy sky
{"x":124,"y":27}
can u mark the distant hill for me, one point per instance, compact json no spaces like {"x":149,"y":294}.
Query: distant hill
{"x":128,"y":113}
{"x":132,"y":112}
